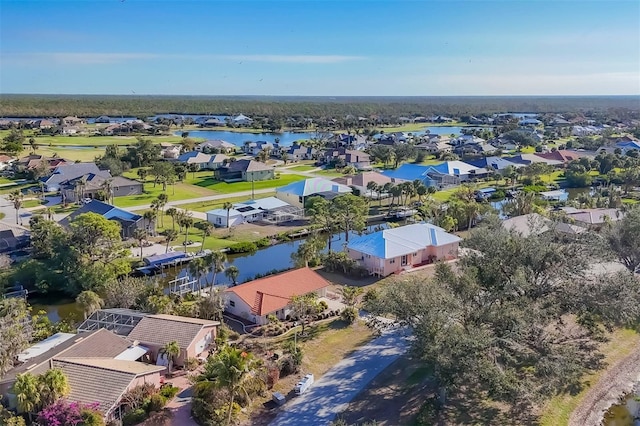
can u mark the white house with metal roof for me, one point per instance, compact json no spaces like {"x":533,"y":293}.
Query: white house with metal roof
{"x":249,"y":211}
{"x":296,"y":193}
{"x":394,"y":250}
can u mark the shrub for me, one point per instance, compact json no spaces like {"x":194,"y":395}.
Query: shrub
{"x":191,"y":364}
{"x":134,"y":417}
{"x":349,"y":314}
{"x":244,"y":247}
{"x":91,"y":417}
{"x":156,"y":403}
{"x":263,"y":242}
{"x":169,"y":391}
{"x":323,"y":305}
{"x":428,"y":414}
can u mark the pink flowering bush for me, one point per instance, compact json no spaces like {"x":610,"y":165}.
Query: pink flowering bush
{"x":64,"y":413}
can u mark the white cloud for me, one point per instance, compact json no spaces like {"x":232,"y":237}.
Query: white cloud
{"x":79,"y":58}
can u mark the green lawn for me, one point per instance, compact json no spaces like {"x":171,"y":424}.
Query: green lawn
{"x":304,"y":168}
{"x":99,"y":140}
{"x":559,"y":409}
{"x":27,"y":204}
{"x":227,"y":188}
{"x":329,"y":173}
{"x":5,"y":180}
{"x":179,"y":191}
{"x":204,"y":206}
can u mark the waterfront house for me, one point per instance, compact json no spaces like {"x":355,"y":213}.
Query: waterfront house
{"x":595,"y":218}
{"x":269,"y":209}
{"x":99,"y":365}
{"x":256,"y":300}
{"x":393,"y":250}
{"x":494,"y":163}
{"x":297,"y":193}
{"x":128,"y":221}
{"x":244,"y":170}
{"x":216,"y":145}
{"x":441,"y":175}
{"x":241,"y":120}
{"x":361,"y":180}
{"x":169,"y":151}
{"x":254,"y":148}
{"x":193,"y":335}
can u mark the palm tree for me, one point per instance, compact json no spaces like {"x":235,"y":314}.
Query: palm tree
{"x":285,"y":157}
{"x":142,"y":174}
{"x":232,"y":273}
{"x":53,"y":386}
{"x":27,"y":392}
{"x":139,"y":235}
{"x":16,"y":198}
{"x":169,"y":236}
{"x":90,"y":301}
{"x":155,"y":207}
{"x":215,"y":262}
{"x":149,"y":216}
{"x":230,"y":370}
{"x":79,"y":187}
{"x":172,"y":211}
{"x":163,"y":199}
{"x":207,"y":230}
{"x":227,"y":206}
{"x":372,"y":186}
{"x":107,"y":187}
{"x":33,"y":145}
{"x":187,"y":222}
{"x":172,"y":350}
{"x":49,"y":213}
{"x":196,"y":268}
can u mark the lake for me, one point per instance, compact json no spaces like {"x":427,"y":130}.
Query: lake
{"x":239,"y":138}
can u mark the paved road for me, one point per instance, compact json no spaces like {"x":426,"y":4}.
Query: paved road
{"x":330,"y":395}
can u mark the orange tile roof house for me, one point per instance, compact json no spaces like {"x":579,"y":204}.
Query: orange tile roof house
{"x":256,"y":299}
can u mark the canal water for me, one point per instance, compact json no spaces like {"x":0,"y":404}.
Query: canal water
{"x":268,"y":259}
{"x":239,"y":138}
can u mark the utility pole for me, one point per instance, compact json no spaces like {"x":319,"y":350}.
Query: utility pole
{"x":253,"y":196}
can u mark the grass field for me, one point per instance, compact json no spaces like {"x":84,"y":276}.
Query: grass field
{"x":27,"y":204}
{"x":303,"y":168}
{"x":228,"y":188}
{"x":559,"y":409}
{"x":179,"y":191}
{"x":204,"y":206}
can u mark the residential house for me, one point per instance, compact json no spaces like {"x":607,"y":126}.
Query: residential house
{"x":361,"y":180}
{"x":43,"y":124}
{"x":6,"y":161}
{"x":537,"y":224}
{"x":297,"y":193}
{"x":393,"y":250}
{"x":562,"y":155}
{"x":627,"y":143}
{"x":67,"y":172}
{"x":494,"y":163}
{"x":100,"y":366}
{"x":254,"y":148}
{"x":170,"y":151}
{"x":441,"y":175}
{"x":216,"y":145}
{"x":32,"y":161}
{"x":299,"y":152}
{"x":13,"y":237}
{"x":434,"y":146}
{"x":595,"y":218}
{"x":256,"y":300}
{"x":93,"y":184}
{"x":128,"y":221}
{"x":261,"y":209}
{"x":213,"y":122}
{"x":193,"y":335}
{"x":529,"y":122}
{"x":202,"y":160}
{"x":358,"y":159}
{"x":72,"y":121}
{"x":527,"y":159}
{"x":241,"y":120}
{"x":103,"y":119}
{"x":474,"y":149}
{"x":244,"y":170}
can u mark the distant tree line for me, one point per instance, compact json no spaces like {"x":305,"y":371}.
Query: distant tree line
{"x":278,"y":108}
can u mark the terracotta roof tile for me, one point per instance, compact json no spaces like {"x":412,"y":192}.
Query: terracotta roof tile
{"x":272,"y":293}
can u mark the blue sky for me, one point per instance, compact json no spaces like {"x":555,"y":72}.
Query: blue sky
{"x":341,"y":47}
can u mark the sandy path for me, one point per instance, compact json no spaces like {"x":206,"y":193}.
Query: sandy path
{"x":618,"y":380}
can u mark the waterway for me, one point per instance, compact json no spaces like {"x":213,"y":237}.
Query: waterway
{"x":569,"y":194}
{"x":239,"y":138}
{"x":622,"y":414}
{"x":275,"y":257}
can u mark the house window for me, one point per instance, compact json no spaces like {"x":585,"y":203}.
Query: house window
{"x":232,"y":303}
{"x":392,"y":261}
{"x":131,"y":188}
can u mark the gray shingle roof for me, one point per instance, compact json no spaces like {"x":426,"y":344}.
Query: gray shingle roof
{"x":101,"y":380}
{"x":162,"y":329}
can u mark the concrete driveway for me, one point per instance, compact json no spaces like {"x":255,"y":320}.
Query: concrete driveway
{"x":331,"y":393}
